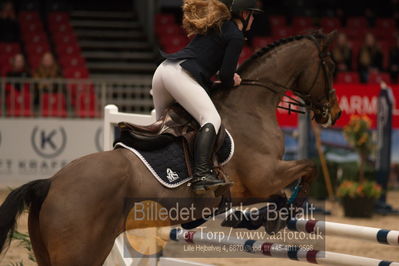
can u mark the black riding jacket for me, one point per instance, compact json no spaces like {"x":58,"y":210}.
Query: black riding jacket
{"x":215,"y":51}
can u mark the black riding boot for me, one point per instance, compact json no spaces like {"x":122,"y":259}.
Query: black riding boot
{"x":204,"y":177}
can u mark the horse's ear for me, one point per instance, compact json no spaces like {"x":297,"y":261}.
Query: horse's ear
{"x":330,"y":39}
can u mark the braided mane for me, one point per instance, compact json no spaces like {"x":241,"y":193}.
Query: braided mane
{"x":317,"y":34}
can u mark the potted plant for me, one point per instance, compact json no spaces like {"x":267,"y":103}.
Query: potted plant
{"x":359,"y":194}
{"x":358,"y":198}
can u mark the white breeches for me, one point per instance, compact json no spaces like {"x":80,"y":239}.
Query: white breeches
{"x":172,"y":83}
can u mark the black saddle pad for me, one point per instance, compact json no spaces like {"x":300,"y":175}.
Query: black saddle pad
{"x":167,"y":164}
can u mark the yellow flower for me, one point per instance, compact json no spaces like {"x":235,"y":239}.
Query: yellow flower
{"x":363,"y":139}
{"x":367,"y":120}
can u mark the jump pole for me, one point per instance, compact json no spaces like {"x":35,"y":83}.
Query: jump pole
{"x":272,"y":249}
{"x":377,"y":235}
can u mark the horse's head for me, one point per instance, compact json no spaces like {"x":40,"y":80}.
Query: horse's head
{"x":315,"y":83}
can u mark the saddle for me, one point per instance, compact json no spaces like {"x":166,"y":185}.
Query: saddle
{"x":174,"y":124}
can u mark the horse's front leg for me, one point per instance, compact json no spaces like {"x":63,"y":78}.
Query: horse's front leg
{"x":285,"y":172}
{"x":291,"y":171}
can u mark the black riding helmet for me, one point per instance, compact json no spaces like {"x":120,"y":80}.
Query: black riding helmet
{"x":237,"y":6}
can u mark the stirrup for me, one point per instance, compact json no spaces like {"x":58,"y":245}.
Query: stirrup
{"x":200,"y":189}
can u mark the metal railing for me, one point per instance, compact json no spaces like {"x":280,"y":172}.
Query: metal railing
{"x":72,"y":98}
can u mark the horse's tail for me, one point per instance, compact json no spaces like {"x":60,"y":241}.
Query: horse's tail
{"x":31,"y":193}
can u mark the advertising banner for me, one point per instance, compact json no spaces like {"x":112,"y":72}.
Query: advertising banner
{"x":37,"y":148}
{"x":354,"y":99}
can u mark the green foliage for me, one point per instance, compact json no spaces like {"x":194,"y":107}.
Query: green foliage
{"x":24,"y":242}
{"x":353,"y":189}
{"x":357,"y":133}
{"x":21,"y":263}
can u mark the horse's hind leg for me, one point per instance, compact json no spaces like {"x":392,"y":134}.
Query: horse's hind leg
{"x":77,"y":244}
{"x":39,"y":249}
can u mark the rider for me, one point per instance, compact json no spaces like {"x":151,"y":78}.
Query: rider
{"x":219,"y":27}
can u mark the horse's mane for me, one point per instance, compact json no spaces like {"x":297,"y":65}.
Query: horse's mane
{"x":316,"y":34}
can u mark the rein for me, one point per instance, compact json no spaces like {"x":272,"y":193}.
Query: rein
{"x":294,"y":102}
{"x":306,"y":97}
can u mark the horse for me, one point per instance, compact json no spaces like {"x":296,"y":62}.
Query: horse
{"x":75,"y":216}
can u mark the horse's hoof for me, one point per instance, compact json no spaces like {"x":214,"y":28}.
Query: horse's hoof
{"x":233,"y":220}
{"x":273,"y":227}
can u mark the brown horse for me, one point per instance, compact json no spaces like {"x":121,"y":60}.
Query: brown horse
{"x":76,"y":215}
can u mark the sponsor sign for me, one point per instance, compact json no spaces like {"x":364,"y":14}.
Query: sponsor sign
{"x":354,"y":99}
{"x":37,"y":148}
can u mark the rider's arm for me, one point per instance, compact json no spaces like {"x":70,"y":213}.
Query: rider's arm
{"x":230,"y":61}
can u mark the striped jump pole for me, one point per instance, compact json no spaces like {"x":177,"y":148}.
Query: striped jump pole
{"x":272,"y":249}
{"x":382,"y":236}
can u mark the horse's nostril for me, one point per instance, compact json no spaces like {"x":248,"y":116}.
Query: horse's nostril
{"x":339,"y":115}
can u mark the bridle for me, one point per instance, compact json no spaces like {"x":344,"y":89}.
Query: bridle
{"x":320,"y":106}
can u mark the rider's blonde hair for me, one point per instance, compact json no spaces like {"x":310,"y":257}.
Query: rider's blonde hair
{"x":199,"y":16}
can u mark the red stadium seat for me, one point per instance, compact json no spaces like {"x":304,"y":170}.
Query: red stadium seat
{"x":63,"y":27}
{"x":301,"y":24}
{"x":86,"y":105}
{"x":26,"y":17}
{"x":64,"y":38}
{"x":18,"y":103}
{"x":37,"y":49}
{"x":173,"y":40}
{"x":385,"y":48}
{"x":282,"y":32}
{"x":67,"y":61}
{"x":376,"y":77}
{"x":173,"y":43}
{"x":71,"y":49}
{"x":34,"y":37}
{"x":168,"y":29}
{"x":10,"y":48}
{"x":5,"y":65}
{"x":260,"y":42}
{"x":330,"y":24}
{"x":76,"y":73}
{"x":356,"y":22}
{"x":245,"y":54}
{"x":53,"y":105}
{"x":34,"y":60}
{"x":163,"y":19}
{"x":58,"y":17}
{"x":384,"y":34}
{"x":355,"y":46}
{"x":36,"y":27}
{"x":277,"y":21}
{"x":385,"y":24}
{"x":7,"y":52}
{"x":355,"y":34}
{"x":347,"y":77}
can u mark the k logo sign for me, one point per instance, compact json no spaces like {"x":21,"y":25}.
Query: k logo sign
{"x":48,"y":142}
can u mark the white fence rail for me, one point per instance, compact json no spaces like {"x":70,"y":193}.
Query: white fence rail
{"x":83,"y":98}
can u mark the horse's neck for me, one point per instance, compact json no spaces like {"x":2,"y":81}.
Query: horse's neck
{"x":251,"y":106}
{"x":255,"y":106}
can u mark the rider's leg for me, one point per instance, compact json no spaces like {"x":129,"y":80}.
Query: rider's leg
{"x":161,"y":97}
{"x":188,"y":93}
